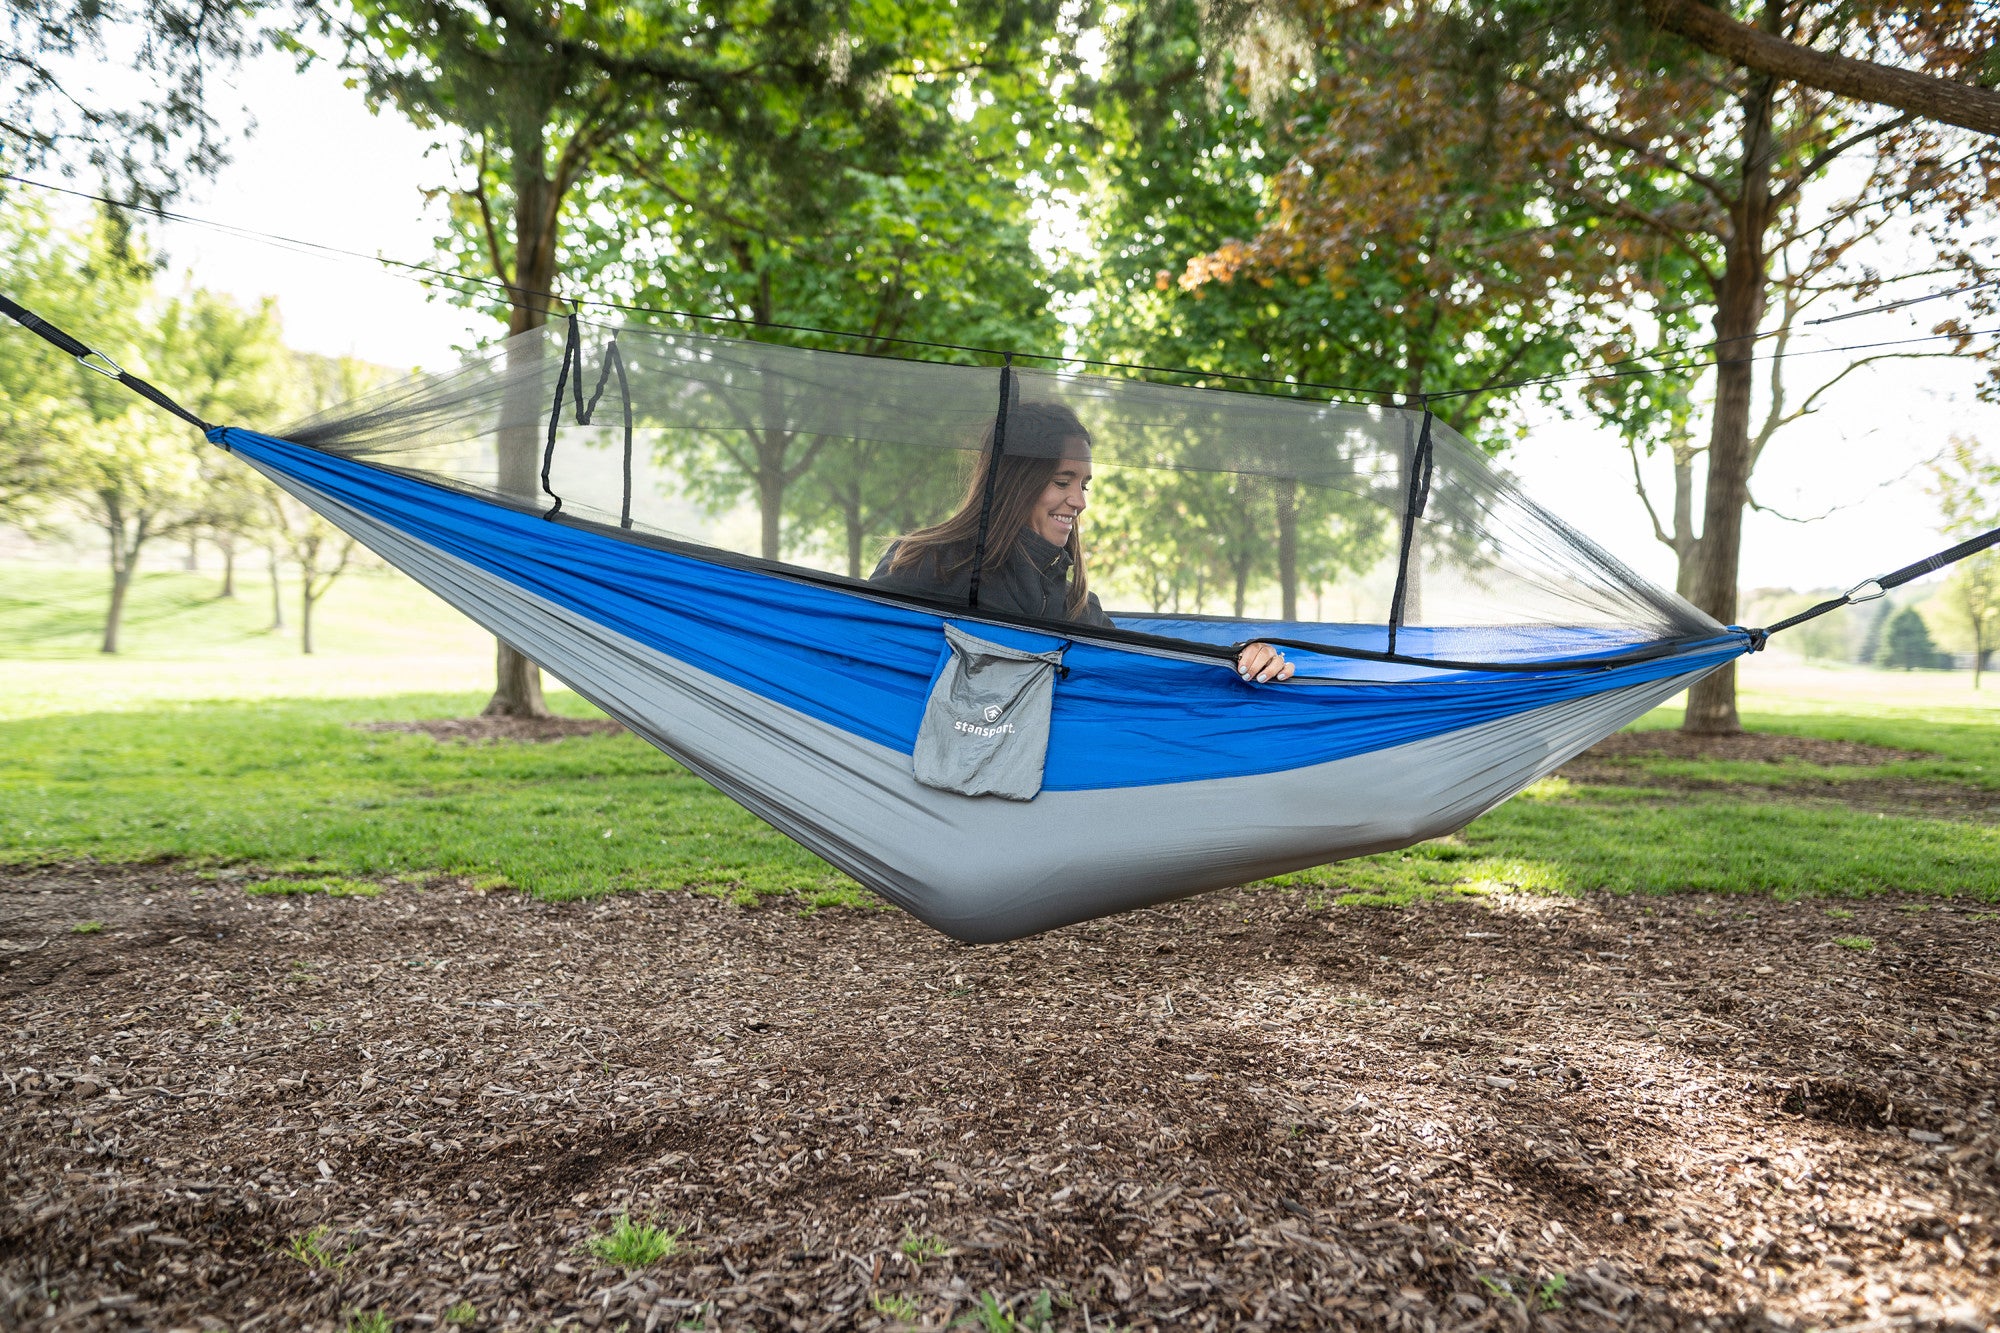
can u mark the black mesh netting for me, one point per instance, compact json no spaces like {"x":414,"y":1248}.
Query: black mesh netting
{"x":1200,"y":510}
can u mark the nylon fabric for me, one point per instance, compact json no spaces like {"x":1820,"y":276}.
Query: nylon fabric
{"x":988,"y":870}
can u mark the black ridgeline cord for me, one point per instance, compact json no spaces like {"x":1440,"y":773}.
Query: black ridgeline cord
{"x":1869,"y":589}
{"x":425,"y":273}
{"x":95,"y":360}
{"x":992,"y":474}
{"x":612,"y":361}
{"x":1413,"y":509}
{"x":569,"y":353}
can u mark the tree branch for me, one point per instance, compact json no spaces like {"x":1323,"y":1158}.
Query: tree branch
{"x":1964,"y":105}
{"x":1639,"y":485}
{"x":486,"y":217}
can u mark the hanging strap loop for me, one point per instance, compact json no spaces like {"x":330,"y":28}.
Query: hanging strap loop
{"x":613,"y":363}
{"x":569,"y":353}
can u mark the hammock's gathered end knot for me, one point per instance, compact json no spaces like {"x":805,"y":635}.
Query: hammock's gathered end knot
{"x":1758,"y":638}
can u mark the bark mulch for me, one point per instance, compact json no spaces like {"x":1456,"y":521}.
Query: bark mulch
{"x":474,"y":730}
{"x":268,"y":1113}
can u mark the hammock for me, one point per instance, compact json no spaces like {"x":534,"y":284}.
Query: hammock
{"x":692,"y":557}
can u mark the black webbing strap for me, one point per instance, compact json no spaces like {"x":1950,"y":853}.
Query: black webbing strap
{"x":992,"y":472}
{"x":1869,"y":589}
{"x":614,"y":360}
{"x":569,"y":353}
{"x":93,"y":359}
{"x":572,"y":357}
{"x":1419,"y":495}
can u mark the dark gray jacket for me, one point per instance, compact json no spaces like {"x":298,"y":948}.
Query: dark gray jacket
{"x":1033,"y":583}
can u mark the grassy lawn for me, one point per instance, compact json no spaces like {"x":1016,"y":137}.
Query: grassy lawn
{"x":212,"y":740}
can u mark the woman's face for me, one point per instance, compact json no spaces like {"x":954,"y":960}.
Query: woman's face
{"x":1056,"y":508}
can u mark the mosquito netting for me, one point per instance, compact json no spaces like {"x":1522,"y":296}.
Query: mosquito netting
{"x":1208,"y":517}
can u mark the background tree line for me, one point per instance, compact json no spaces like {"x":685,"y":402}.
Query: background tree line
{"x":76,"y":447}
{"x":1410,"y":196}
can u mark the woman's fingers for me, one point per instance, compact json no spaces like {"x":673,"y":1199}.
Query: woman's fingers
{"x":1261,"y":662}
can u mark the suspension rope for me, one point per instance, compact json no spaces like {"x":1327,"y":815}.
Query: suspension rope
{"x":92,"y":359}
{"x":1362,"y":395}
{"x":1869,"y":589}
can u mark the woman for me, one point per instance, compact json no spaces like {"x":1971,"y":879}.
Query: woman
{"x":1034,"y":553}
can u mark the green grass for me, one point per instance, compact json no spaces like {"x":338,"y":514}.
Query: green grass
{"x":332,"y":886}
{"x":632,"y":1244}
{"x":903,"y":1309}
{"x":315,"y":1249}
{"x":215,"y":743}
{"x":56,"y":613}
{"x":376,"y":633}
{"x":87,"y":928}
{"x":990,"y":1314}
{"x":922,"y":1248}
{"x":293,"y":785}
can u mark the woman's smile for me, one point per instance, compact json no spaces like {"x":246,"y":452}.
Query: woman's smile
{"x":1062,"y":500}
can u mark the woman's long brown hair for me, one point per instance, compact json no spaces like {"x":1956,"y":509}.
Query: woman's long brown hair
{"x":1040,"y":438}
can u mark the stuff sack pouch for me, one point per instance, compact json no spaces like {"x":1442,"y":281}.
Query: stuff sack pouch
{"x":986,"y":727}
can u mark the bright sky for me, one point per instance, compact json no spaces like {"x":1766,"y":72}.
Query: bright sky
{"x":320,"y":168}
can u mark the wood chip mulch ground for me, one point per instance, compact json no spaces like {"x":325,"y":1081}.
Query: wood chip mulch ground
{"x":1245,"y":1112}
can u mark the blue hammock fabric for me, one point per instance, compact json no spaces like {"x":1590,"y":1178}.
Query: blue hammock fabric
{"x":1121,"y":718}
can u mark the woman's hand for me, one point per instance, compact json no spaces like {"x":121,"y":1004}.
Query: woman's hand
{"x":1261,"y":662}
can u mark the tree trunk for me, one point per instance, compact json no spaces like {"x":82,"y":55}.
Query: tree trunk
{"x":852,"y":515}
{"x":771,"y":503}
{"x":1687,"y":546}
{"x":306,"y":600}
{"x":1739,"y":308}
{"x":520,"y":683}
{"x":121,"y":579}
{"x":277,"y":593}
{"x":124,"y":559}
{"x":228,"y":545}
{"x":517,"y":688}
